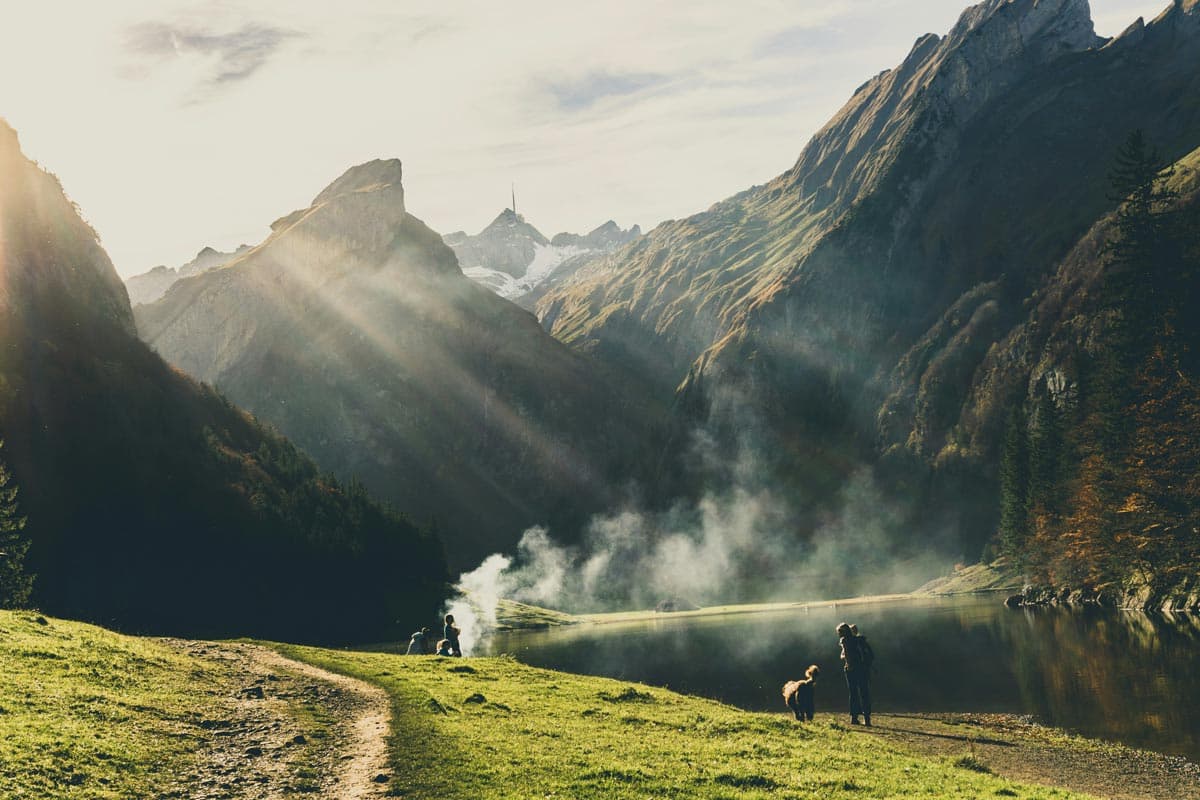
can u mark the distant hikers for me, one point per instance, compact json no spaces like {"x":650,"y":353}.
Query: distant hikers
{"x":799,"y":694}
{"x":450,"y":634}
{"x":857,"y":658}
{"x":419,"y":644}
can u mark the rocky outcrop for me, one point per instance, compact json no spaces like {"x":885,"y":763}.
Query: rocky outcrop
{"x":936,"y":92}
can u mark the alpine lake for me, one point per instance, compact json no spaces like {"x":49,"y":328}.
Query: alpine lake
{"x":1120,"y":676}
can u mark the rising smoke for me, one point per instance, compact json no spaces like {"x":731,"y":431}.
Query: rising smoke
{"x":743,"y":543}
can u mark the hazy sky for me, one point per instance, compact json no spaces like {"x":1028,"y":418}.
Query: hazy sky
{"x":176,"y":125}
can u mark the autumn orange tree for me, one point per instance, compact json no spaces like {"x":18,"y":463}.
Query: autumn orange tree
{"x":1124,"y":504}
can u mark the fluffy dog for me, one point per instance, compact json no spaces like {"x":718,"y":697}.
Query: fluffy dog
{"x":799,"y":694}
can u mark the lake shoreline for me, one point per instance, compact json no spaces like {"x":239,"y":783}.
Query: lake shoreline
{"x":508,"y":623}
{"x":1016,"y":747}
{"x":977,"y":579}
{"x":743,"y":608}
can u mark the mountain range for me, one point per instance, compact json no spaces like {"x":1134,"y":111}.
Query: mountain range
{"x":855,"y":306}
{"x":153,"y":284}
{"x":354,"y":331}
{"x":513,"y":258}
{"x":874,"y":314}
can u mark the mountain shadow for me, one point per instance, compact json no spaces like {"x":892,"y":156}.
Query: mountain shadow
{"x":153,"y":503}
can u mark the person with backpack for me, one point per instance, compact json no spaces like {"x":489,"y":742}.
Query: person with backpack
{"x":855,"y":663}
{"x":868,"y":653}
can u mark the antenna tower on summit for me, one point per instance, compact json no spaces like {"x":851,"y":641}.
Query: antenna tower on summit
{"x":514,"y":199}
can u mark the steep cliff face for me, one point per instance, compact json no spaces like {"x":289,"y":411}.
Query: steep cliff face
{"x":354,"y":331}
{"x":695,"y":281}
{"x":153,"y":503}
{"x":858,"y":292}
{"x":1060,"y":328}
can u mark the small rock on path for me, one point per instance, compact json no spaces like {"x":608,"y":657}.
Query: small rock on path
{"x":280,"y":728}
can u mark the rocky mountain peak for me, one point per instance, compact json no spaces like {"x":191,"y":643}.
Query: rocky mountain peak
{"x":153,"y":284}
{"x":508,"y":245}
{"x":372,"y":176}
{"x":361,"y":212}
{"x":508,"y":224}
{"x":608,"y":236}
{"x":937,"y":90}
{"x":1068,"y":22}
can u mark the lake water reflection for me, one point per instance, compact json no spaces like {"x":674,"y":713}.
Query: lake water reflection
{"x":1122,"y":676}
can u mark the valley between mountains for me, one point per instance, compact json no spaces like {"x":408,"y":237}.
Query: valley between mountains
{"x":957,"y":335}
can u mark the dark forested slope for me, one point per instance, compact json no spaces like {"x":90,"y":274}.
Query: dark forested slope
{"x":1100,"y":463}
{"x":153,"y":503}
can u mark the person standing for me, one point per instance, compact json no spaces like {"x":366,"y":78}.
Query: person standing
{"x":450,"y":634}
{"x":857,"y":678}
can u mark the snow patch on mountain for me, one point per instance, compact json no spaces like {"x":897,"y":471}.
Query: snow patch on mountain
{"x":546,"y":259}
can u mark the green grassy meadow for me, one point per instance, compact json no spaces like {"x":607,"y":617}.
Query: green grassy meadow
{"x":89,"y":713}
{"x":492,"y":728}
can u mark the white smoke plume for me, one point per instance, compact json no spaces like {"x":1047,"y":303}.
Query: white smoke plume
{"x":742,"y":543}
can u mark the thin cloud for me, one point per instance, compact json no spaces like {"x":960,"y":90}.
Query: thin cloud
{"x":234,"y":56}
{"x":583,"y":93}
{"x":800,"y":39}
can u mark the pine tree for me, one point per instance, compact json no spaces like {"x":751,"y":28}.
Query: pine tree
{"x":1014,"y":485}
{"x":1045,"y":455}
{"x":1143,"y":266}
{"x":16,"y":584}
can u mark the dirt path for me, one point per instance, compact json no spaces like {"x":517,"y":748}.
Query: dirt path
{"x":1016,"y":748}
{"x":279,"y":728}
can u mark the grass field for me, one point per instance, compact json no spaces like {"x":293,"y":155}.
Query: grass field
{"x":89,"y":713}
{"x":492,"y":728}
